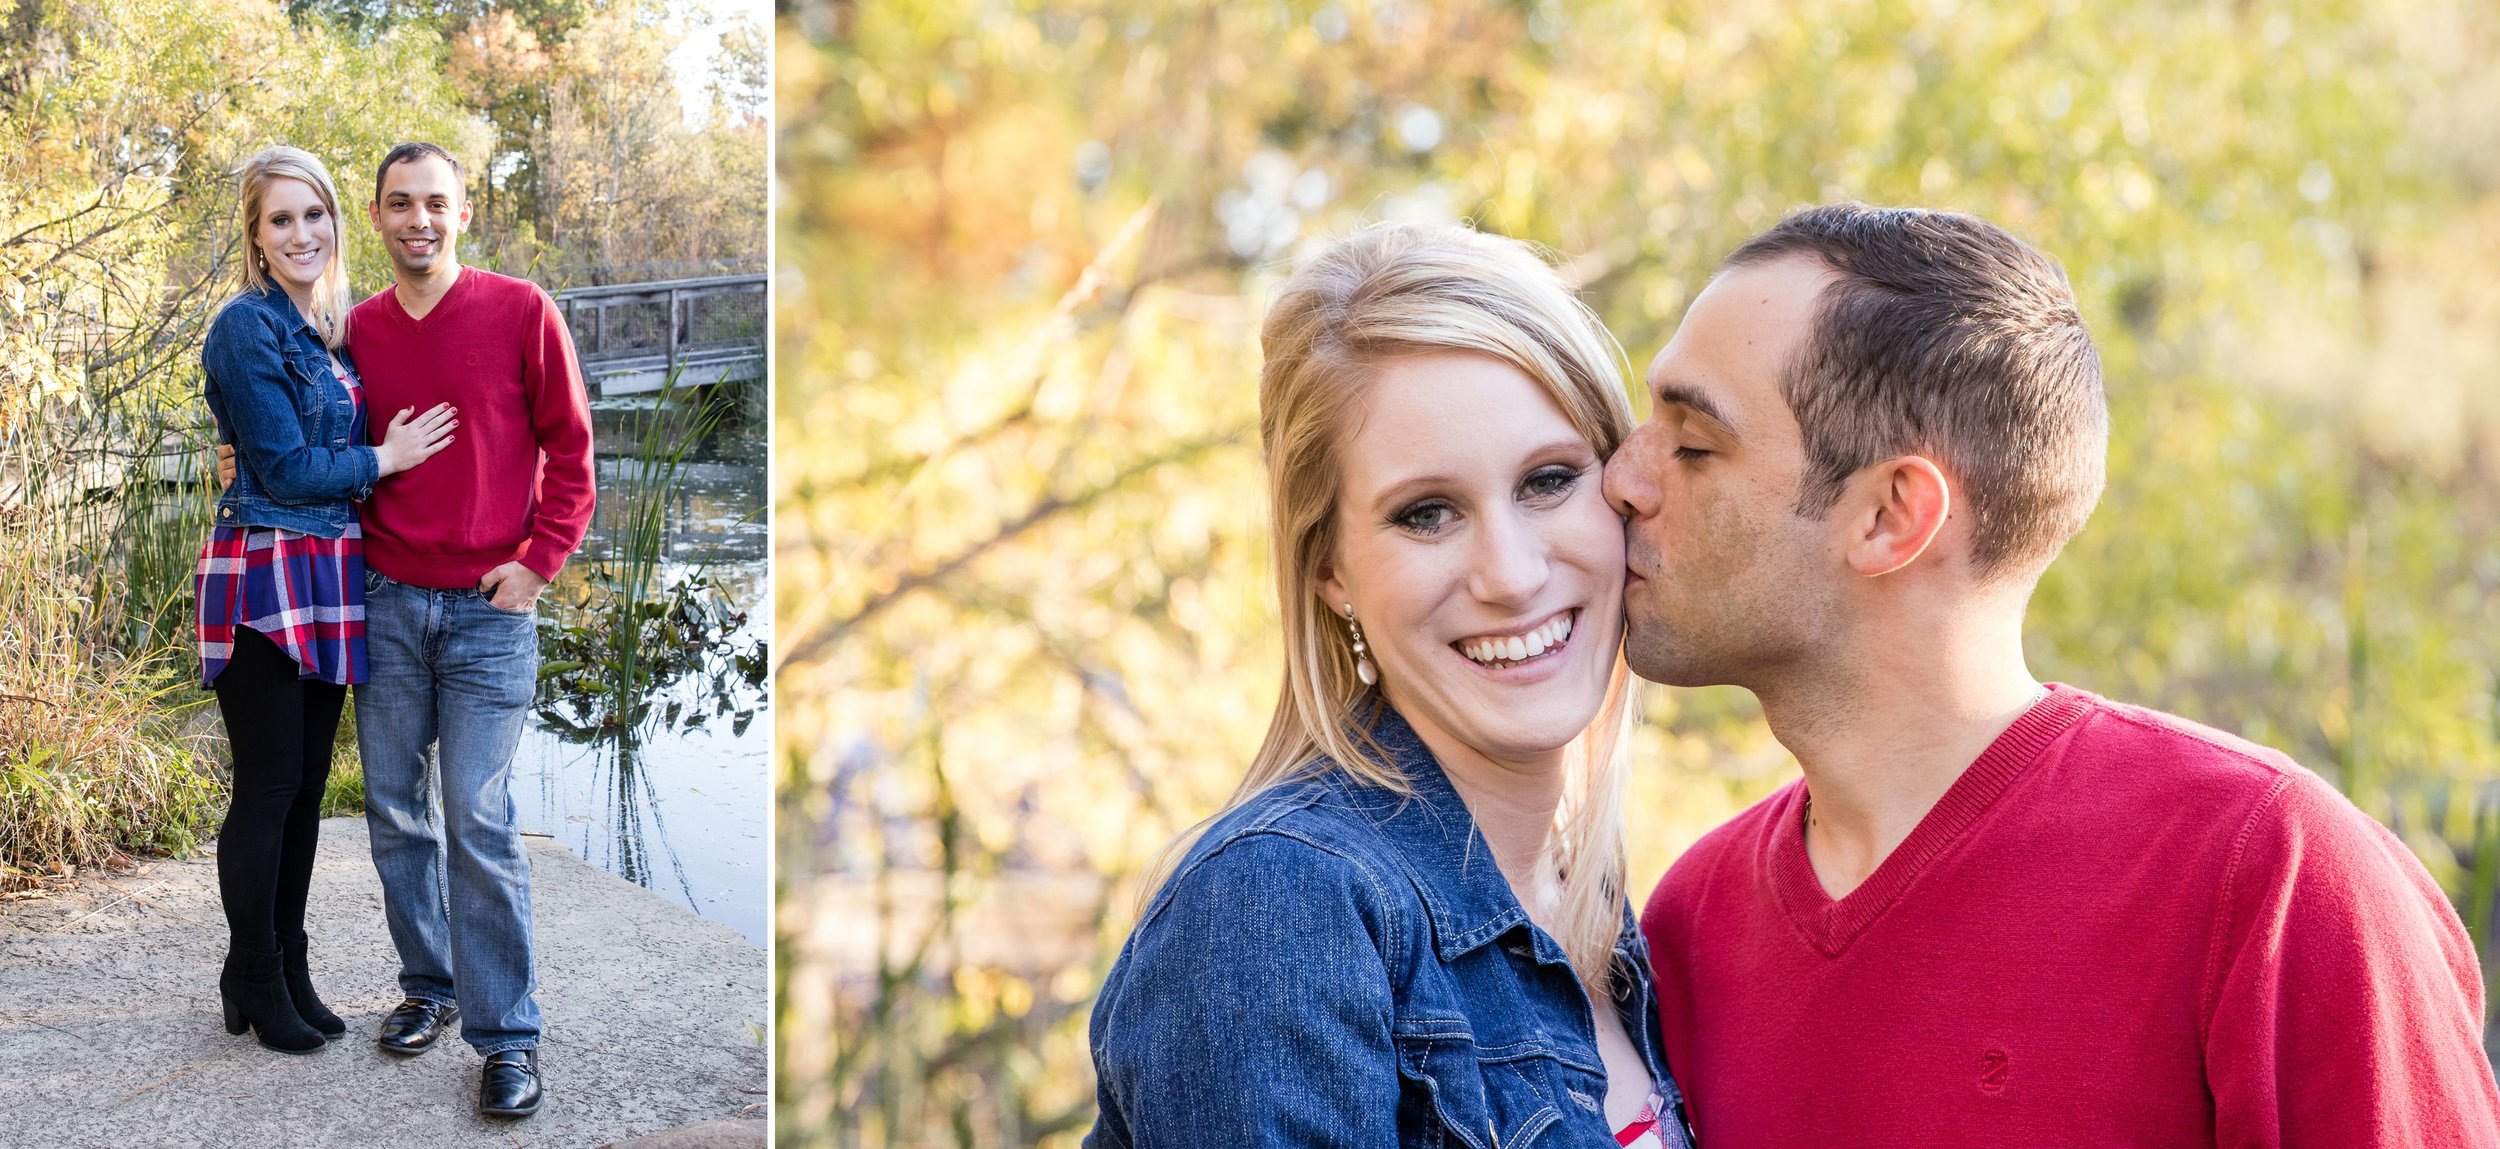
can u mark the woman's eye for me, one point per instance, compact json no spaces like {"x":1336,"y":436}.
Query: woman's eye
{"x":1688,"y":454}
{"x":1550,"y":482}
{"x":1423,"y":518}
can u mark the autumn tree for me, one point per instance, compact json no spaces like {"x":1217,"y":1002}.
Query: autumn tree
{"x":629,"y":188}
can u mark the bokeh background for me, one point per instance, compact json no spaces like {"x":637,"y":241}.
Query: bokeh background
{"x":1027,"y":625}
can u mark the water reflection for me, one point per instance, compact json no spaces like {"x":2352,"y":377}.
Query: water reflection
{"x":664,"y":783}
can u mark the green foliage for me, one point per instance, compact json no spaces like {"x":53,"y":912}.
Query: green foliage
{"x":343,"y":796}
{"x":611,"y":664}
{"x":1028,"y":625}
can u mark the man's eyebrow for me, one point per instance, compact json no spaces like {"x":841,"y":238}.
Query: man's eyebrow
{"x":1696,"y":401}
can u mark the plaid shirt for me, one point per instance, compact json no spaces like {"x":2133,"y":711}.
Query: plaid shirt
{"x":305,"y":592}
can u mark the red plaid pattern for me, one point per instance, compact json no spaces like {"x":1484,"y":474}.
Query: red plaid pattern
{"x":1644,"y":1132}
{"x":306,"y":593}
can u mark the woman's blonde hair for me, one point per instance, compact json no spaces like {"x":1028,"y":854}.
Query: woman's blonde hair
{"x":1388,"y":291}
{"x":328,"y":312}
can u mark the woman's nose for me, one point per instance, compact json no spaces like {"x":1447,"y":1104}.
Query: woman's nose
{"x":1510,"y":562}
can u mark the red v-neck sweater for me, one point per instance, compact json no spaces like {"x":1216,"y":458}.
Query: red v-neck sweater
{"x":2117,"y":928}
{"x":515,"y":484}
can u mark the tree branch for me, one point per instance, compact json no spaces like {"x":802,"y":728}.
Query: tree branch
{"x":810,"y":646}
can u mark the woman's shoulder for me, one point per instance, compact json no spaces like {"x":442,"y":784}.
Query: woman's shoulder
{"x":1307,"y":832}
{"x":244,"y":315}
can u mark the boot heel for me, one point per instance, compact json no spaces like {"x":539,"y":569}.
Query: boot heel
{"x":256,"y":998}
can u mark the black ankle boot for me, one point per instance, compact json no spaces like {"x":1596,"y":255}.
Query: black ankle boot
{"x":299,"y":988}
{"x":255,"y":997}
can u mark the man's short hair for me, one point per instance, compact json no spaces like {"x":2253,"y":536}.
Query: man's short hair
{"x":411,"y":152}
{"x":1947,"y":337}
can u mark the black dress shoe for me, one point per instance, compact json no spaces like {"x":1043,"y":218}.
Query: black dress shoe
{"x":415,"y":1025}
{"x":509,"y":1086}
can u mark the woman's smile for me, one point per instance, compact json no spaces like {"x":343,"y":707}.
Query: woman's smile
{"x":1542,"y":642}
{"x":294,"y":232}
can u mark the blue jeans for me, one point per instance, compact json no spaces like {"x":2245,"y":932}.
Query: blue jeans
{"x":452,"y":677}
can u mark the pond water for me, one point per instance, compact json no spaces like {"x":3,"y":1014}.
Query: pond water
{"x":675,"y":799}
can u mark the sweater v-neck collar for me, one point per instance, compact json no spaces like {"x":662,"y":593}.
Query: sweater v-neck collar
{"x":1829,"y":925}
{"x":440,"y":302}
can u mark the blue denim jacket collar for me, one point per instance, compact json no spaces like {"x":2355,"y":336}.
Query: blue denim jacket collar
{"x":1463,"y":890}
{"x":1420,"y":1005}
{"x":269,"y":297}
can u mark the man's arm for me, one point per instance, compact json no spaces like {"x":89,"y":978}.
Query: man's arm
{"x":560,"y":419}
{"x":2346,"y":1006}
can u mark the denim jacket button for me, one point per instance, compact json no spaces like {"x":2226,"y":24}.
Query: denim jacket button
{"x":226,"y":511}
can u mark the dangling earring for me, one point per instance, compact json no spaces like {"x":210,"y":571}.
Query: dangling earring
{"x":1363,"y":668}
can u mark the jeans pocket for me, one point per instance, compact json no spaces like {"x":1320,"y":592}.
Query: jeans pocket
{"x":530,"y":611}
{"x":373,"y":582}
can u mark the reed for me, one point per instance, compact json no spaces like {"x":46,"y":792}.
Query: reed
{"x":623,"y":633}
{"x":638,"y":541}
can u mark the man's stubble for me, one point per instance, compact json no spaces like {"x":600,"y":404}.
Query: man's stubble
{"x":1743,"y":602}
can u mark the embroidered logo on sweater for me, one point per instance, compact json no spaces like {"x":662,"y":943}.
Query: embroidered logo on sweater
{"x":1994,"y":1065}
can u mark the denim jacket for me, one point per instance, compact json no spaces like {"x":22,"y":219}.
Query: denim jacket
{"x":299,"y":439}
{"x":1334,"y":964}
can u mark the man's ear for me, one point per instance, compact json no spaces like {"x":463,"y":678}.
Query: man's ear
{"x":373,"y":213}
{"x":1892,"y":512}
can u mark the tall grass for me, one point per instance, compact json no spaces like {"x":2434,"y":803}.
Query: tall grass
{"x":638,"y":540}
{"x":95,"y":763}
{"x":101,"y":519}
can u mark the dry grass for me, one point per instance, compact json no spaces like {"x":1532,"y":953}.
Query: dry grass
{"x":95,"y":761}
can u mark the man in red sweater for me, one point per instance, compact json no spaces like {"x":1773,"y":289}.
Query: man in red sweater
{"x":1992,"y":912}
{"x":457,"y":560}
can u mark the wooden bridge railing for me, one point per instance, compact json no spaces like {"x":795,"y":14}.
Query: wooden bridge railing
{"x":634,"y":337}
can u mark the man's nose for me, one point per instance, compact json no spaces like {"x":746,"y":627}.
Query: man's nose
{"x":1628,"y":486}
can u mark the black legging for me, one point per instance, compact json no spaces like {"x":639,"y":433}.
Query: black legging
{"x":281,"y":728}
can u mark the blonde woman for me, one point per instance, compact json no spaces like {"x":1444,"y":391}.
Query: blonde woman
{"x":281,"y":580}
{"x":1408,"y":927}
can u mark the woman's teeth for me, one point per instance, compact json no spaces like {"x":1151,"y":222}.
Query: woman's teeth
{"x":1518,"y":647}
